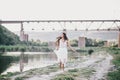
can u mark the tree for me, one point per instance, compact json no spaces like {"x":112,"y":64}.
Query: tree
{"x":7,"y":37}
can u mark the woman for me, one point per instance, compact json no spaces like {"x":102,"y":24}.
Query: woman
{"x":61,"y":49}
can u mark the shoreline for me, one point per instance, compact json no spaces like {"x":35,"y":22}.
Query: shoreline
{"x":50,"y":72}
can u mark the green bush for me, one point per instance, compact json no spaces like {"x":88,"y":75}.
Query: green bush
{"x":23,"y":49}
{"x":116,"y":52}
{"x":74,"y":43}
{"x":2,"y":49}
{"x":90,"y":51}
{"x":44,"y":44}
{"x":45,"y":49}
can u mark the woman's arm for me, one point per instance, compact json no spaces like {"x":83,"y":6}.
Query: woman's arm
{"x":57,"y":46}
{"x":68,"y":44}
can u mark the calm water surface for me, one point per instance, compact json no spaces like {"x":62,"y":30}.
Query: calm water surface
{"x":30,"y":60}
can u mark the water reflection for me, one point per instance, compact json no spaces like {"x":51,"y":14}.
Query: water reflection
{"x":22,"y":61}
{"x":5,"y":62}
{"x":30,"y":60}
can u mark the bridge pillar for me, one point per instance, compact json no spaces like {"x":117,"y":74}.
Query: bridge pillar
{"x":81,"y":42}
{"x":106,"y":44}
{"x":22,"y":33}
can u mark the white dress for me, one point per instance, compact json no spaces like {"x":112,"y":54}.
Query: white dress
{"x":62,"y":53}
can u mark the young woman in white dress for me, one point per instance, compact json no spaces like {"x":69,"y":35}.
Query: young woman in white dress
{"x":61,"y":49}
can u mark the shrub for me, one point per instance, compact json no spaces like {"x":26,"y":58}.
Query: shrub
{"x":74,"y":43}
{"x":23,"y":49}
{"x":90,"y":51}
{"x":45,"y":49}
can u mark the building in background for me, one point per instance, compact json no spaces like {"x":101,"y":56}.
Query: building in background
{"x":23,"y":36}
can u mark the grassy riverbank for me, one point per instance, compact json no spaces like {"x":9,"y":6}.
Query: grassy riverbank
{"x":99,"y":54}
{"x":24,"y":48}
{"x":54,"y":68}
{"x":75,"y":74}
{"x":115,"y":73}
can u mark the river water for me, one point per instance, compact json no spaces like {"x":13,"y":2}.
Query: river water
{"x":30,"y":60}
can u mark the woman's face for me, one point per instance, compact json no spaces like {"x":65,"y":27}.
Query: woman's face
{"x":62,"y":35}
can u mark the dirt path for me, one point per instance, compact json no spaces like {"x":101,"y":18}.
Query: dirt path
{"x":102,"y":68}
{"x":100,"y":63}
{"x":50,"y":76}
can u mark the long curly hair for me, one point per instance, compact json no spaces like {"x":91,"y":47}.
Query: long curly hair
{"x":65,"y":36}
{"x":58,"y":38}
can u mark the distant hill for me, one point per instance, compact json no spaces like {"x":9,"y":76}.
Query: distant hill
{"x":7,"y":37}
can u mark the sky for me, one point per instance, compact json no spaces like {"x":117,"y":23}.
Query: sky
{"x":57,"y":10}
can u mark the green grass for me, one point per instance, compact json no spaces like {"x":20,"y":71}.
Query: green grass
{"x":73,"y":70}
{"x":23,"y":48}
{"x":63,"y":77}
{"x":19,"y":78}
{"x":72,"y":74}
{"x":8,"y":75}
{"x":45,"y":70}
{"x":114,"y":75}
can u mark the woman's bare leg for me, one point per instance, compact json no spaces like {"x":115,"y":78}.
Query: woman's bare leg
{"x":63,"y":67}
{"x":60,"y":65}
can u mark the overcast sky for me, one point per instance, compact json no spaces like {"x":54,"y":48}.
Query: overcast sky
{"x":59,"y":9}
